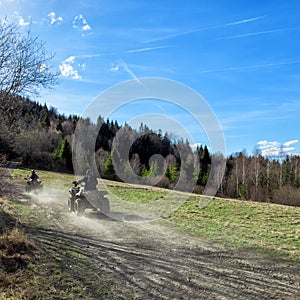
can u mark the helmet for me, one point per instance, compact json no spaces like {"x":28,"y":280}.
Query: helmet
{"x":89,"y":172}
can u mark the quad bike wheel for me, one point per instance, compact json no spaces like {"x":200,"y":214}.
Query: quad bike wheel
{"x":78,"y":207}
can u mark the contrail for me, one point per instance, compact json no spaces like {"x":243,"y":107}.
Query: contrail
{"x":251,"y":67}
{"x":242,"y":21}
{"x":166,"y":37}
{"x":129,"y":71}
{"x":204,"y":29}
{"x":254,"y":33}
{"x":146,"y":49}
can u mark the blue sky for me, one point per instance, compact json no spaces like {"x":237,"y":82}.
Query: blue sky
{"x":242,"y":56}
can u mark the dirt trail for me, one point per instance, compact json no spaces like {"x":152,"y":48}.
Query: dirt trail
{"x":159,"y":263}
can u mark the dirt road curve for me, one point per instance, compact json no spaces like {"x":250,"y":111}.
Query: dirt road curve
{"x":159,"y":263}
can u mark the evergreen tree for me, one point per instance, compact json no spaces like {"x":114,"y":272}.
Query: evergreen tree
{"x":63,"y":154}
{"x":109,"y":171}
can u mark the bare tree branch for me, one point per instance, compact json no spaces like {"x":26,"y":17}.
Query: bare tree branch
{"x":24,"y":64}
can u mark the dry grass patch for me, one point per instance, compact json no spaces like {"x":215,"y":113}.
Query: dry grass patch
{"x":16,"y":252}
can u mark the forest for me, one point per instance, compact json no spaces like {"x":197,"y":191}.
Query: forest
{"x":39,"y":137}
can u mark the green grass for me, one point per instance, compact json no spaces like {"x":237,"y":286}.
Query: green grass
{"x":137,"y":195}
{"x":51,"y":179}
{"x":23,"y":210}
{"x":270,"y":228}
{"x":21,"y":172}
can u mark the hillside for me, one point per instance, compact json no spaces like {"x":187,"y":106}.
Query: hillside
{"x":39,"y":137}
{"x":96,"y":257}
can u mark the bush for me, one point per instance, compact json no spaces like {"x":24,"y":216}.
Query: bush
{"x":287,"y":195}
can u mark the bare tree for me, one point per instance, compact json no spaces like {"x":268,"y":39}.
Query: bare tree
{"x":24,"y":63}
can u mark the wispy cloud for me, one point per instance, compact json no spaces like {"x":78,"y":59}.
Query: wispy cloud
{"x":54,"y":19}
{"x":178,"y":34}
{"x":147,"y":49}
{"x":68,"y":70}
{"x":255,"y":33}
{"x":81,"y":24}
{"x":254,"y":66}
{"x":275,"y":149}
{"x":122,"y":64}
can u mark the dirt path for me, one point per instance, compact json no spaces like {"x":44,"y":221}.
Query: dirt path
{"x":159,"y":263}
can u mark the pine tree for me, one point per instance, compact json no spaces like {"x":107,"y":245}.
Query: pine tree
{"x":63,"y":153}
{"x":109,"y":171}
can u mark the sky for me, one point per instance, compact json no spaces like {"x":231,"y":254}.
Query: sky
{"x":241,"y":56}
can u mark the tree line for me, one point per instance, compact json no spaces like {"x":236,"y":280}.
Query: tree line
{"x":40,"y":137}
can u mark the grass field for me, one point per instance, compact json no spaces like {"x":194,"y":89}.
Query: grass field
{"x":270,"y":228}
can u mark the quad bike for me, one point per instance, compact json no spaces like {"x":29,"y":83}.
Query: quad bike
{"x":79,"y":200}
{"x":33,"y":185}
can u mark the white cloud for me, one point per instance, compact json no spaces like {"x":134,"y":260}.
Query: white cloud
{"x":86,"y":27}
{"x":70,"y":59}
{"x":115,"y":68}
{"x":67,"y":69}
{"x":289,"y":143}
{"x":54,"y":19}
{"x":275,"y":149}
{"x":267,"y":145}
{"x":81,"y":24}
{"x":22,"y":22}
{"x":272,"y":152}
{"x":195,"y":145}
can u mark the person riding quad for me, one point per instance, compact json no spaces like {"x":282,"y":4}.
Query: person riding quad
{"x":87,"y":196}
{"x":33,"y":182}
{"x":34,"y":176}
{"x":90,"y":181}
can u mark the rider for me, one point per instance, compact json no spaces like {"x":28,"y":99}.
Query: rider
{"x":90,"y":181}
{"x":34,"y":176}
